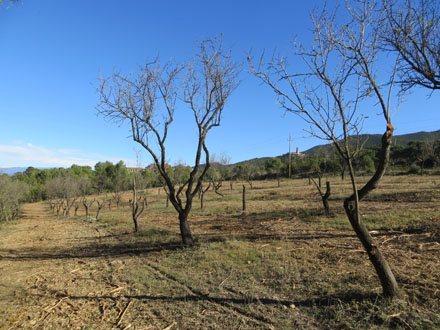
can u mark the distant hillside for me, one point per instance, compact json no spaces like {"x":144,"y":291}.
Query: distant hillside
{"x":369,"y":140}
{"x":257,"y":162}
{"x":374,"y":140}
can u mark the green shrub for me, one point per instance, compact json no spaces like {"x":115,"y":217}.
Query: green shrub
{"x":414,"y":169}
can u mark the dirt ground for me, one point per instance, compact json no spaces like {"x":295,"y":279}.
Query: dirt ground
{"x":279,"y":266}
{"x":57,"y":273}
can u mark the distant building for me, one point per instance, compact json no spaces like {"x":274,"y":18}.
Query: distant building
{"x":134,"y":169}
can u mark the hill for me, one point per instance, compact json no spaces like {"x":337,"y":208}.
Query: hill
{"x":374,"y":140}
{"x":369,"y":141}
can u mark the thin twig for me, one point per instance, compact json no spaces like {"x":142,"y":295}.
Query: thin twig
{"x":121,"y":315}
{"x":170,"y":326}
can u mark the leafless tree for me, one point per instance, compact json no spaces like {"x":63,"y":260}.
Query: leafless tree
{"x":100,"y":203}
{"x":76,"y":207}
{"x":202,"y":192}
{"x":87,"y":203}
{"x":148,"y":101}
{"x":11,"y":194}
{"x":324,"y":196}
{"x":117,"y":198}
{"x":66,"y":189}
{"x":219,"y":171}
{"x":412,"y":29}
{"x":340,"y":77}
{"x":137,"y":208}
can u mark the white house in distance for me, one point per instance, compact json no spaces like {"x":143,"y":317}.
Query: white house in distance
{"x":134,"y":169}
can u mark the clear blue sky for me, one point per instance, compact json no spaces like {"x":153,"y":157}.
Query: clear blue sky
{"x":53,"y":51}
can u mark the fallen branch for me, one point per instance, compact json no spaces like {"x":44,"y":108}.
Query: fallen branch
{"x":59,"y":302}
{"x":170,"y":326}
{"x":121,"y":315}
{"x":115,"y":290}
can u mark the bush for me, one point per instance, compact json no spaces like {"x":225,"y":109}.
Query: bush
{"x":414,"y":169}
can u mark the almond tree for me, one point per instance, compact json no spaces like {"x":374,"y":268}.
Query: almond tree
{"x":136,"y":207}
{"x":147,"y":100}
{"x":411,"y":28}
{"x":339,"y":81}
{"x":12,"y":193}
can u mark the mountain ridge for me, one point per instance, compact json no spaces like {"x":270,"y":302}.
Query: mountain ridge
{"x":368,"y":140}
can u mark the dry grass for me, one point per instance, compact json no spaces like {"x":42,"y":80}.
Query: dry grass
{"x":282,"y":265}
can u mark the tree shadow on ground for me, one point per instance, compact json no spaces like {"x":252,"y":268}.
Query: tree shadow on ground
{"x":324,"y":300}
{"x":100,"y":249}
{"x":88,"y":251}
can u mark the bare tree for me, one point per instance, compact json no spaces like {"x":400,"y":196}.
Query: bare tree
{"x":99,"y":206}
{"x":340,"y":75}
{"x":11,"y":195}
{"x":412,"y":29}
{"x":87,"y":203}
{"x":202,"y":192}
{"x":136,"y":209}
{"x":148,"y":101}
{"x":76,"y":207}
{"x":324,"y":196}
{"x":66,"y":189}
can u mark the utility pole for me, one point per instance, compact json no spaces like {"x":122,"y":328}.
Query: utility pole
{"x":290,"y":157}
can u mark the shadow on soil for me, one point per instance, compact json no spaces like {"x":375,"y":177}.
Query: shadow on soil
{"x":328,"y":300}
{"x":99,"y":250}
{"x":89,"y":251}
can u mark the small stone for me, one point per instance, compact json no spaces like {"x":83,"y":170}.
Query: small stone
{"x":292,"y":306}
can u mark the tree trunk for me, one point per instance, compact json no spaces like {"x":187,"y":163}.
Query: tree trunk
{"x":185,"y":231}
{"x":351,"y":206}
{"x":383,"y":270}
{"x":98,"y":211}
{"x":325,"y":198}
{"x":278,"y":179}
{"x":135,"y":210}
{"x":244,"y":198}
{"x":136,"y":224}
{"x":202,"y":194}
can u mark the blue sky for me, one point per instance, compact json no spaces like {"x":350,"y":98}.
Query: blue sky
{"x":52,"y":53}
